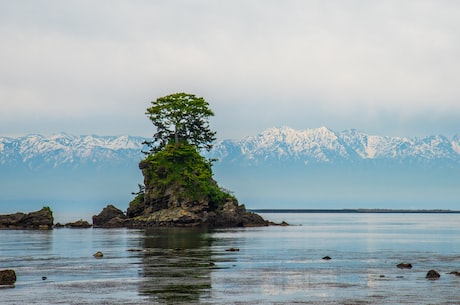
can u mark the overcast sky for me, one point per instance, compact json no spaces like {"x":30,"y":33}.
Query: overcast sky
{"x":93,"y":67}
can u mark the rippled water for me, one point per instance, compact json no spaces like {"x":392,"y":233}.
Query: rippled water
{"x":274,"y":265}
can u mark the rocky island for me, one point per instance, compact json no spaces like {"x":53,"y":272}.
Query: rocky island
{"x":178,"y":186}
{"x":42,"y":220}
{"x":179,"y":191}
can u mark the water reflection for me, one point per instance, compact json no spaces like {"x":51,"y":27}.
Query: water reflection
{"x":177,"y":265}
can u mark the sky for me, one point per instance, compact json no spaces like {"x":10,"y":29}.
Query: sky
{"x":93,"y":67}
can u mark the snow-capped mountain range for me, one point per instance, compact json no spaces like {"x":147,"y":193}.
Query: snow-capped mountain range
{"x":280,"y":167}
{"x":324,"y":146}
{"x":63,"y":150}
{"x":271,"y":147}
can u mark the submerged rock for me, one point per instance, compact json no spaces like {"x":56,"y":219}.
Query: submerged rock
{"x":404,"y":266}
{"x":7,"y":277}
{"x":433,"y":275}
{"x":39,"y":220}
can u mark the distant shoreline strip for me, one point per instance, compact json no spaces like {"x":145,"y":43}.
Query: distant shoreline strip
{"x":363,"y":211}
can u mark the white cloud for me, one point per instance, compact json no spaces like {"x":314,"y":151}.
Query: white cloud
{"x":370,"y":65}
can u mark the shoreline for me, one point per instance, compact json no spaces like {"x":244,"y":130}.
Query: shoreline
{"x":361,"y":211}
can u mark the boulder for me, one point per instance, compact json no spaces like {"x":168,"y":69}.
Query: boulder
{"x":433,"y":275}
{"x":7,"y":277}
{"x":110,"y":217}
{"x":42,"y":220}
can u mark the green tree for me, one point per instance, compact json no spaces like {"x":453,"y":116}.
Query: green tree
{"x":180,"y":117}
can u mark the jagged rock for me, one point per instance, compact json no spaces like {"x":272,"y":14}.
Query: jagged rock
{"x":433,"y":275}
{"x":7,"y":277}
{"x":404,"y":266}
{"x":42,"y":219}
{"x":79,"y":224}
{"x":110,"y":217}
{"x":235,"y":215}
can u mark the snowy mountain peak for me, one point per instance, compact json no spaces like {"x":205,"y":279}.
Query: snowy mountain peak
{"x":282,"y":145}
{"x":37,"y":151}
{"x":325,"y":146}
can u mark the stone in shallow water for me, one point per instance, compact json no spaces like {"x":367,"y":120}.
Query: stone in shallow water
{"x":404,"y":266}
{"x":433,"y":275}
{"x":7,"y":277}
{"x":98,"y":254}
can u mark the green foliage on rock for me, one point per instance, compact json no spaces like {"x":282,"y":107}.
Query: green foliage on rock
{"x":180,"y":171}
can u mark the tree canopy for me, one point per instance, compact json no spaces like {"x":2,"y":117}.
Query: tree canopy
{"x":180,"y":117}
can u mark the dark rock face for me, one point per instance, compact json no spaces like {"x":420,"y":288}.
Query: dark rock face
{"x":42,"y":220}
{"x":110,"y":217}
{"x":235,"y":215}
{"x":7,"y":277}
{"x":433,"y":275}
{"x":232,"y":214}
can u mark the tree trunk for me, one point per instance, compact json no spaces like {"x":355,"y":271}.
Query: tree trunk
{"x":176,"y":136}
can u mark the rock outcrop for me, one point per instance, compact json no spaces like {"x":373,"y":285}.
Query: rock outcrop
{"x":110,"y":217}
{"x":79,"y":224}
{"x":42,"y":220}
{"x":180,"y":191}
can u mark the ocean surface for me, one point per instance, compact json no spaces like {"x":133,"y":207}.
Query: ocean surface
{"x":274,"y":265}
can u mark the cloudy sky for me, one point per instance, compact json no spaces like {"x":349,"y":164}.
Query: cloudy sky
{"x":92,"y":67}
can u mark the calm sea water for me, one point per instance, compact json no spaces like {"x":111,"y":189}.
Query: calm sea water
{"x":274,"y":265}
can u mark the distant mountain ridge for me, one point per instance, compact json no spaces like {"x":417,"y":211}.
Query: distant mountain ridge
{"x":324,"y":146}
{"x":278,"y":168}
{"x":69,"y":151}
{"x":273,"y":146}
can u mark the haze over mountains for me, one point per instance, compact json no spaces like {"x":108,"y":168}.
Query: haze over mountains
{"x":278,"y":168}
